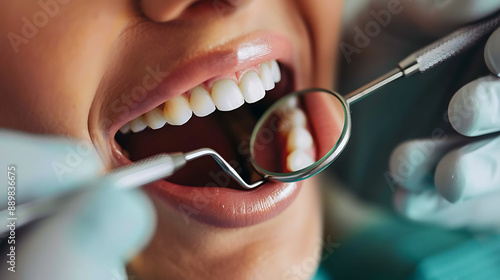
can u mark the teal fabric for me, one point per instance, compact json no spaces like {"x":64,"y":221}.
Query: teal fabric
{"x":388,"y":252}
{"x":323,"y":274}
{"x":477,"y":259}
{"x":391,"y":249}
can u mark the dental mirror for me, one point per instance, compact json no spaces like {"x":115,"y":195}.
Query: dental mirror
{"x":300,"y":135}
{"x":282,"y":146}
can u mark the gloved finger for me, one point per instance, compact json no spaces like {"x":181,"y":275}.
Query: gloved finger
{"x":428,"y":206}
{"x":475,"y":109}
{"x":91,"y":240}
{"x":470,"y":171}
{"x":44,"y":164}
{"x":492,"y":53}
{"x":412,"y":163}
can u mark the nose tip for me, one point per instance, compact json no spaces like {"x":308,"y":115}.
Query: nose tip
{"x":168,"y":10}
{"x":165,"y":10}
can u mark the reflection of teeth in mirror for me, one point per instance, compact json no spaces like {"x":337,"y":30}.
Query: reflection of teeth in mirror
{"x":224,"y":94}
{"x":291,"y":104}
{"x":298,"y":160}
{"x":299,"y":138}
{"x":290,"y":119}
{"x":299,"y":143}
{"x":298,"y":117}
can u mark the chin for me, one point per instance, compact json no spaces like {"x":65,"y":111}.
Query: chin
{"x":284,"y":247}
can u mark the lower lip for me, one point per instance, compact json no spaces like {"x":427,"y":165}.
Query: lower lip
{"x":223,"y":207}
{"x":228,"y":208}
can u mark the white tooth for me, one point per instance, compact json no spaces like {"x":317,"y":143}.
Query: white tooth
{"x":227,"y":95}
{"x":266,"y":76}
{"x":293,"y":102}
{"x":299,"y":138}
{"x":125,"y":129}
{"x":298,"y":160}
{"x":155,"y":119}
{"x":298,"y":117}
{"x":138,"y":124}
{"x":275,"y":69}
{"x":201,"y":102}
{"x":177,"y":110}
{"x":290,"y":119}
{"x":290,"y":105}
{"x":252,"y":88}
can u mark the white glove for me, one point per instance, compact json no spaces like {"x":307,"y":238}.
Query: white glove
{"x":93,"y":237}
{"x":455,"y":181}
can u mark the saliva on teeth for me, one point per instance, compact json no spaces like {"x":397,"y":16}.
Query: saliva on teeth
{"x":224,"y":95}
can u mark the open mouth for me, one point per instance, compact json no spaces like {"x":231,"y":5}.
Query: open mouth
{"x":220,"y":113}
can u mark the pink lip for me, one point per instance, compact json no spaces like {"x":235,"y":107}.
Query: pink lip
{"x":224,"y":207}
{"x":221,"y":207}
{"x":237,"y":55}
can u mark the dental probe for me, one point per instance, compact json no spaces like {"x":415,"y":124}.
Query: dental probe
{"x":430,"y":56}
{"x":162,"y":166}
{"x":131,"y":176}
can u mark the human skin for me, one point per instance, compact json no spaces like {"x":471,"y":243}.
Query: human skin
{"x":87,"y":51}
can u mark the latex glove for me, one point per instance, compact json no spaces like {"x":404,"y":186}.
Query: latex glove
{"x":455,"y":181}
{"x":94,"y":236}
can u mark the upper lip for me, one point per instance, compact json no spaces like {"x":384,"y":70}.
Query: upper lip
{"x":236,"y":55}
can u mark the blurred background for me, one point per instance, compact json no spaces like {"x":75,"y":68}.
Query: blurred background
{"x":390,"y":246}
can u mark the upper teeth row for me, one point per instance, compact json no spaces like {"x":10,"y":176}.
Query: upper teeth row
{"x":225,"y":95}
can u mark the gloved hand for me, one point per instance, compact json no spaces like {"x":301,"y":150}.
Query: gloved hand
{"x":455,"y":181}
{"x":92,"y":237}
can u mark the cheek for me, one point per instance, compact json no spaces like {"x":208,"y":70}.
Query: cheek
{"x":54,"y":58}
{"x":323,"y":19}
